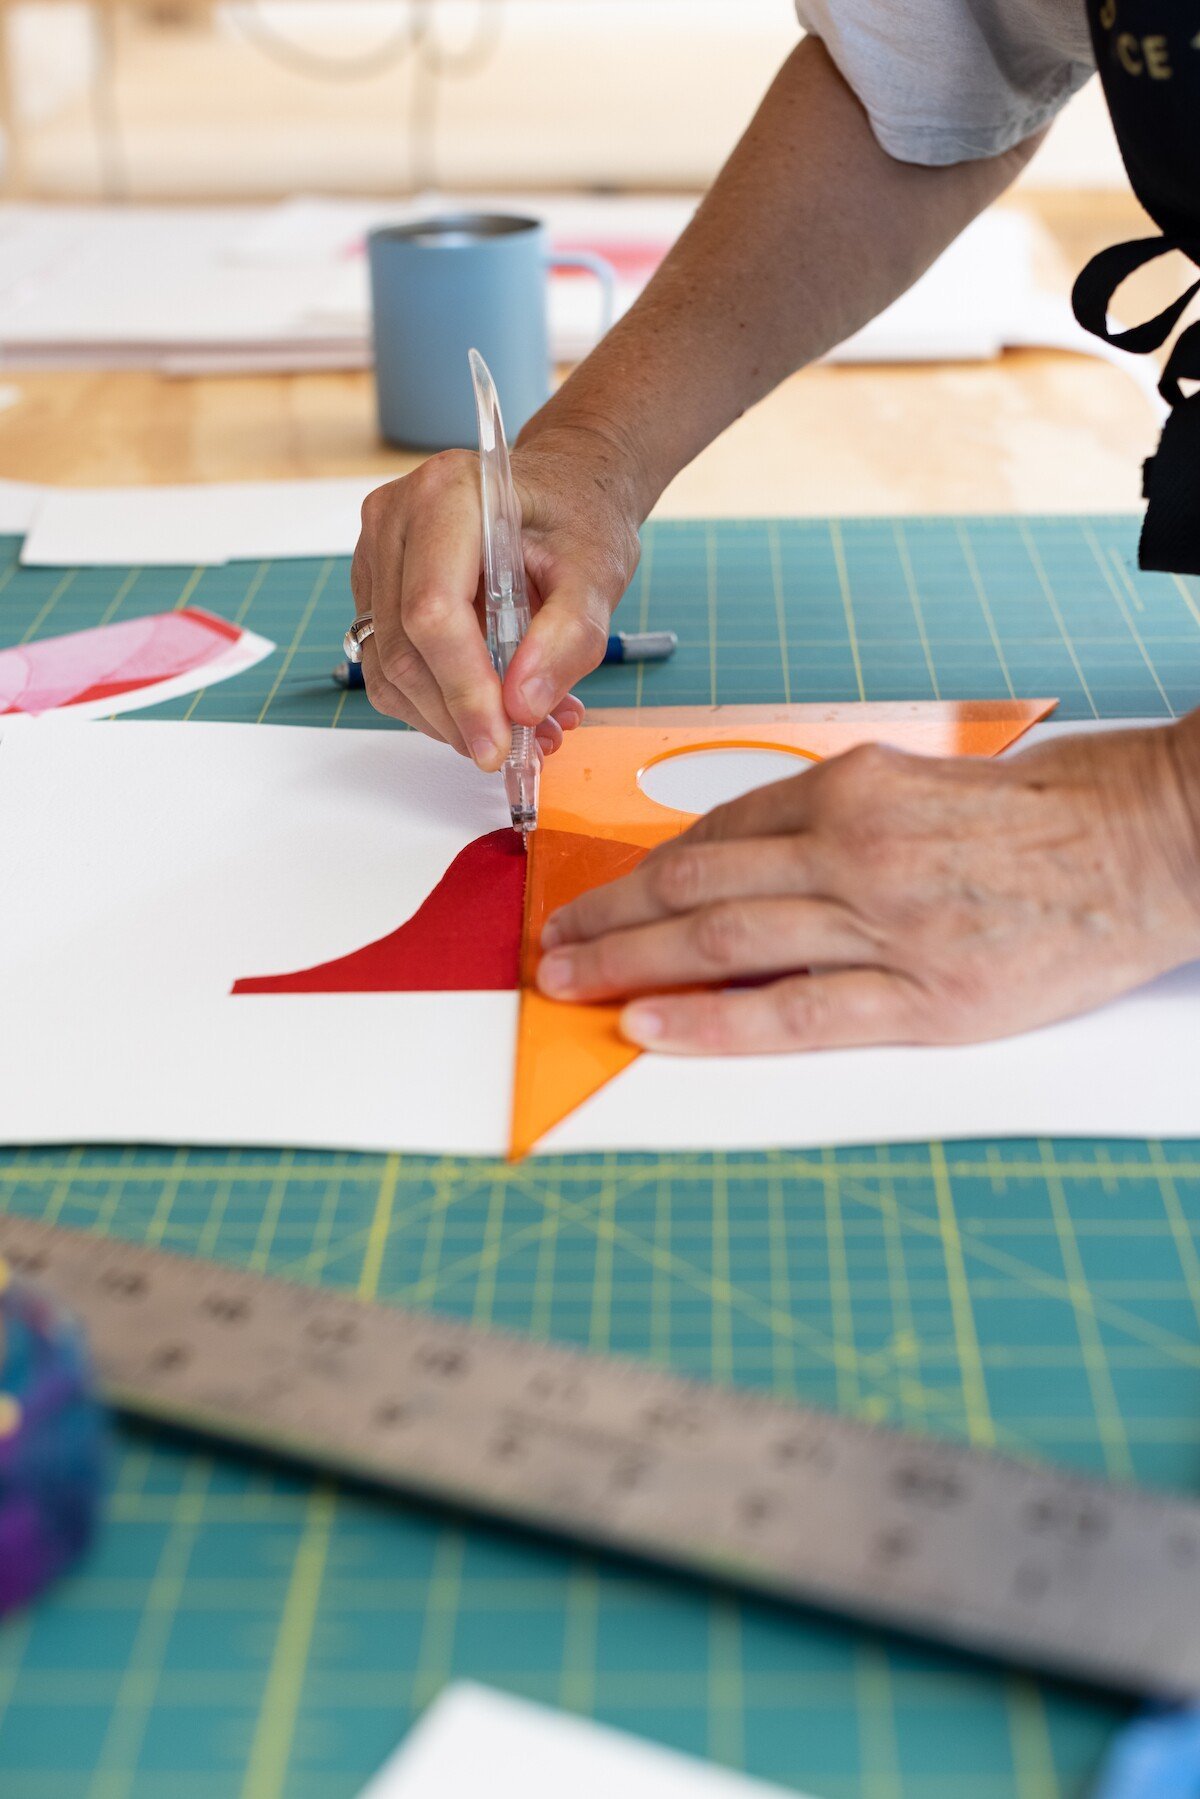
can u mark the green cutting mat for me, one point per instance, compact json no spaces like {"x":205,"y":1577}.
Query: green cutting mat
{"x":244,"y":1634}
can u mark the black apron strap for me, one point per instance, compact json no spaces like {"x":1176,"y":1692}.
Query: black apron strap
{"x":1093,"y":292}
{"x":1171,"y":477}
{"x":1148,"y":56}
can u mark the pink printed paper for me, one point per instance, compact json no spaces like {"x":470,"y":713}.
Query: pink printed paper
{"x":115,"y":668}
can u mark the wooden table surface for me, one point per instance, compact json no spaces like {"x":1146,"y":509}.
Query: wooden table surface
{"x":1034,"y":431}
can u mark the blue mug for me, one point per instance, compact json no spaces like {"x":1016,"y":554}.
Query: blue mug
{"x":443,"y":285}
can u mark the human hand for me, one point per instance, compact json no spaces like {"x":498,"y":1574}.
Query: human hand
{"x":935,"y":901}
{"x":417,"y":571}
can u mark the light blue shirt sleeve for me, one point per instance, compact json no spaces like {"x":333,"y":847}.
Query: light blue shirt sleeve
{"x":946,"y":81}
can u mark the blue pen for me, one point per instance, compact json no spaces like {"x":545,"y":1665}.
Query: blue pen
{"x":623,"y":646}
{"x":640,"y":646}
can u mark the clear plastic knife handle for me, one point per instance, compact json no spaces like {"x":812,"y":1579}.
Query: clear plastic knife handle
{"x":506,"y":595}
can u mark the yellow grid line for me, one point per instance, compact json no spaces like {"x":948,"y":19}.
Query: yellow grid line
{"x":377,"y":1237}
{"x":710,"y":565}
{"x":875,"y":1703}
{"x":386,"y":1685}
{"x":274,"y":1734}
{"x":775,"y":554}
{"x":435,"y":1226}
{"x":839,"y":559}
{"x":726,"y":1688}
{"x":310,"y":607}
{"x":239,"y":617}
{"x":905,"y":1343}
{"x":1188,"y":600}
{"x":1106,"y":570}
{"x":841,"y":1301}
{"x":914,"y":600}
{"x":119,"y":598}
{"x":600,"y":1322}
{"x":541,"y":1316}
{"x":1185,"y":1243}
{"x":116,"y":1765}
{"x":493,"y":1249}
{"x":660,"y":1289}
{"x":159,"y":1223}
{"x":260,"y":1255}
{"x":253,"y":588}
{"x":189,"y":588}
{"x":13,"y":1643}
{"x":783,"y":1348}
{"x":980,"y":1424}
{"x":1039,"y":569}
{"x":1107,"y":1411}
{"x":1029,"y":1737}
{"x":49,"y":605}
{"x":647,"y":564}
{"x":973,"y":570}
{"x":794,"y":1164}
{"x":577,"y":1680}
{"x":721,"y":1349}
{"x":320,"y":1245}
{"x":435,"y":1657}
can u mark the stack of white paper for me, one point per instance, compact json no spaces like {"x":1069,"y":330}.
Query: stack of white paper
{"x":223,"y":521}
{"x":199,"y":289}
{"x":213,"y":289}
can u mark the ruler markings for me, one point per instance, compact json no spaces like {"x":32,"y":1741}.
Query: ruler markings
{"x":1036,"y":1565}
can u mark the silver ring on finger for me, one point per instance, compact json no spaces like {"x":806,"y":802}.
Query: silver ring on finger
{"x":352,"y":643}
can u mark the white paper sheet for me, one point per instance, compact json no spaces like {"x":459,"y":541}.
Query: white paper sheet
{"x":148,"y":866}
{"x":474,"y":1743}
{"x":224,"y":521}
{"x":19,"y":501}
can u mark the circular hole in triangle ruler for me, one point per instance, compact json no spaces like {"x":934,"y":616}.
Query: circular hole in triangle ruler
{"x":696,"y":780}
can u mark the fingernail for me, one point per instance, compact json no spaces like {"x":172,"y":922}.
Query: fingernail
{"x":641,"y":1024}
{"x":552,"y":934}
{"x":556,"y":973}
{"x":485,"y":752}
{"x":538,"y":695}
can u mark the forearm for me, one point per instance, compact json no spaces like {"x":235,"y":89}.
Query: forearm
{"x":1185,"y":761}
{"x":809,"y":231}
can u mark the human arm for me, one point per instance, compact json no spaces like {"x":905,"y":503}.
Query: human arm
{"x":809,"y":231}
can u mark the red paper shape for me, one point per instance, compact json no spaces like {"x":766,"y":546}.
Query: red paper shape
{"x":466,"y":937}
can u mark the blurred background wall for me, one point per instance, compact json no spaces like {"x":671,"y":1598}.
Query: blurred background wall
{"x":266,"y":97}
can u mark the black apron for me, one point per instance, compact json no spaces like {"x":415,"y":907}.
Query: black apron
{"x":1148,"y":55}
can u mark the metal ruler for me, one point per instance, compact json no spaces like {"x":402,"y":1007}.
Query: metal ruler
{"x":1028,"y":1563}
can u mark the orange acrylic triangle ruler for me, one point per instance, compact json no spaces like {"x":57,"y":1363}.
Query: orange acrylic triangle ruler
{"x":596,"y":824}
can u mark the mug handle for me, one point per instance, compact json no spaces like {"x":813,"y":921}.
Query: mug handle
{"x":603,"y":271}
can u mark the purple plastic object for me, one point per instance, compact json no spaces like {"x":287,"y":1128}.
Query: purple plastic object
{"x":52,"y":1443}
